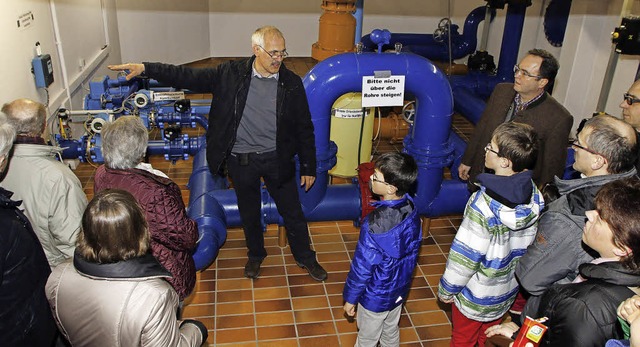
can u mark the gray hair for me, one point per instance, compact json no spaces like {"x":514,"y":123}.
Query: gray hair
{"x":7,"y":135}
{"x":124,"y":142}
{"x":257,"y":38}
{"x":615,"y":140}
{"x":27,"y":116}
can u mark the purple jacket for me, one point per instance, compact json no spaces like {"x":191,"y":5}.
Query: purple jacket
{"x":173,"y":233}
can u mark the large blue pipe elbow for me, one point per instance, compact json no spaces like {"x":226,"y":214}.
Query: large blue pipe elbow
{"x":428,"y":141}
{"x":426,"y":46}
{"x":212,"y":229}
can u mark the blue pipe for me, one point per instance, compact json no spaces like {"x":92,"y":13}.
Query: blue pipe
{"x":470,"y":91}
{"x":426,"y":46}
{"x":430,"y":142}
{"x":359,"y":17}
{"x":166,"y":114}
{"x":343,"y":73}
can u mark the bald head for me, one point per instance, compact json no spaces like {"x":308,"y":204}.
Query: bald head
{"x":615,"y":140}
{"x":28,"y":117}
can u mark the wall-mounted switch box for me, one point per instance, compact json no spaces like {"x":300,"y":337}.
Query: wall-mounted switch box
{"x":42,"y":68}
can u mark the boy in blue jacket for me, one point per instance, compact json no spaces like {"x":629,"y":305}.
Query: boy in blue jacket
{"x":386,"y":254}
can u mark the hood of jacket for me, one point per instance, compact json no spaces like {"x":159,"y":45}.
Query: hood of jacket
{"x":580,"y":193}
{"x":31,"y":150}
{"x":145,"y":266}
{"x":611,"y":272}
{"x":511,"y":189}
{"x":397,"y":241}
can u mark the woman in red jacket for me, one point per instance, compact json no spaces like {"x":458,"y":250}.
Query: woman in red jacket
{"x":173,"y":233}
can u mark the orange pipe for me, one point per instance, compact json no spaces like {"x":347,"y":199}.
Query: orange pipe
{"x":337,"y":29}
{"x":393,"y":128}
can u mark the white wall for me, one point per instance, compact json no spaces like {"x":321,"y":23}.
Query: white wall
{"x":170,"y":31}
{"x":179,"y":32}
{"x":584,"y":59}
{"x":73,"y":44}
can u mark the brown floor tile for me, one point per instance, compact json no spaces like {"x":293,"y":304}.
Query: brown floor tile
{"x":279,"y":343}
{"x":408,"y":334}
{"x":329,"y":247}
{"x":309,"y":290}
{"x":337,"y":266}
{"x":317,"y":315}
{"x":422,"y":305}
{"x":345,"y":326}
{"x":274,"y":318}
{"x":329,"y":238}
{"x":266,"y":282}
{"x":315,"y":329}
{"x":235,"y":284}
{"x":270,"y":293}
{"x":434,"y":332}
{"x":303,"y":303}
{"x":429,"y":318}
{"x":202,"y":298}
{"x":235,"y":335}
{"x":234,"y":296}
{"x":320,"y":341}
{"x":226,"y":322}
{"x":234,"y":308}
{"x":198,"y":310}
{"x":273,"y":305}
{"x":231,"y":263}
{"x":276,"y":332}
{"x":335,"y":256}
{"x":334,"y":288}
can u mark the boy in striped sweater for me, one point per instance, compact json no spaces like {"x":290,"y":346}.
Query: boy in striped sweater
{"x":500,"y":221}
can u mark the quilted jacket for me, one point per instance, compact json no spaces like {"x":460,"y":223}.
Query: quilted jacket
{"x":383,"y":263}
{"x":173,"y":233}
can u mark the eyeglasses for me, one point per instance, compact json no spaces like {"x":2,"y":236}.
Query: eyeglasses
{"x":577,"y":144}
{"x":488,"y":148}
{"x":630,"y":99}
{"x":375,"y":179}
{"x":276,"y":54}
{"x":517,"y":69}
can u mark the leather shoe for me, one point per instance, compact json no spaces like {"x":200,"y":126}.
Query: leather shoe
{"x":252,"y":268}
{"x":315,"y":270}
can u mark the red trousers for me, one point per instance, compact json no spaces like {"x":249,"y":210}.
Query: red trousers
{"x":468,"y":332}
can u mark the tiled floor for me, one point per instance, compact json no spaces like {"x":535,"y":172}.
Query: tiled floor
{"x":285,"y":307}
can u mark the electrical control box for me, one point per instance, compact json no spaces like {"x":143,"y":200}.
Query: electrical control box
{"x":42,"y":68}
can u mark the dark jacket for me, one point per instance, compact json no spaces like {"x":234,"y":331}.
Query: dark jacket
{"x":383,"y":263}
{"x":548,"y":117}
{"x":25,"y":316}
{"x":173,"y":233}
{"x":229,"y":84}
{"x":558,"y":250}
{"x":584,"y":314}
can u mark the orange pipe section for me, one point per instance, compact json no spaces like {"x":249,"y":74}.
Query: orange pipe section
{"x":393,"y":128}
{"x":337,"y":29}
